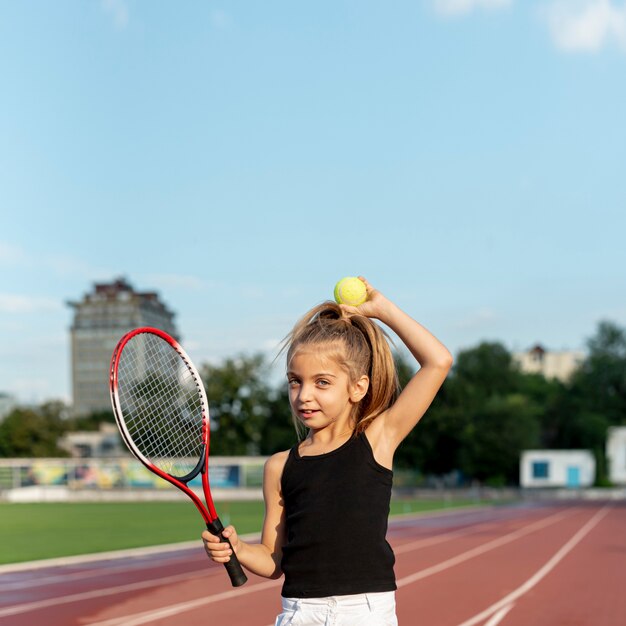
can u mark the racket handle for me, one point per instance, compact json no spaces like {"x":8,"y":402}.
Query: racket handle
{"x":233,"y":567}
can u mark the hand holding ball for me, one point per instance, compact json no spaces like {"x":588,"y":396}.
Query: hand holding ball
{"x":351,"y":291}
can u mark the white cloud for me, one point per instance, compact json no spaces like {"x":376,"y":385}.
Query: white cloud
{"x":118,"y":10}
{"x":453,"y":8}
{"x":16,"y":303}
{"x":586,"y":25}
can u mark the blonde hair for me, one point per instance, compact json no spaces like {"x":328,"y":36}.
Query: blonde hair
{"x":359,"y":346}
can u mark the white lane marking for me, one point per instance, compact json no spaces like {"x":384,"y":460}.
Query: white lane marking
{"x":89,"y":573}
{"x":478,"y":550}
{"x":175,"y":547}
{"x":431,"y":541}
{"x":150,"y":616}
{"x":108,"y":556}
{"x":443,"y":537}
{"x":98,"y":556}
{"x":186,"y":545}
{"x":499,"y":616}
{"x":543,"y":571}
{"x":36,"y":605}
{"x":175,"y":609}
{"x":125,"y":565}
{"x":97,"y":593}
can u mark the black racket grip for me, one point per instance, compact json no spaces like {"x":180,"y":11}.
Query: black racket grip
{"x":233,"y":567}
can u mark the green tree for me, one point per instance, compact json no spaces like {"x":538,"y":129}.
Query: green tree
{"x":91,"y":421}
{"x":483,"y":416}
{"x":484,"y":371}
{"x":278,"y":431}
{"x":600,"y":383}
{"x":432,"y":447}
{"x":502,"y":413}
{"x":546,"y":394}
{"x":32,"y":433}
{"x":495,"y":435}
{"x":239,"y":405}
{"x":594,"y":399}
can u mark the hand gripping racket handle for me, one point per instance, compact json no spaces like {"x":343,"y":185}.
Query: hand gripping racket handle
{"x":233,"y":567}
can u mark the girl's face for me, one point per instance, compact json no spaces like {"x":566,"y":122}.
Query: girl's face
{"x":320,"y":391}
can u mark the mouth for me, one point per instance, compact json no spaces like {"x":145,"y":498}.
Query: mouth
{"x":306,"y":414}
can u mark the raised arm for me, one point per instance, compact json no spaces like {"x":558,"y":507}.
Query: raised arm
{"x":433,"y":357}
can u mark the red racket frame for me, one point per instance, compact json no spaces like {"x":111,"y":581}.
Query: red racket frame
{"x":208,"y":512}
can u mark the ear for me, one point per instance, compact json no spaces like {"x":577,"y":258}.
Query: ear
{"x":359,"y":389}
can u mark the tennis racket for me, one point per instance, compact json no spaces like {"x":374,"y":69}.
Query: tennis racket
{"x":163,"y":415}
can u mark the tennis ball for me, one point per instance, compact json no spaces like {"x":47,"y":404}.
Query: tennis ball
{"x":350,"y":290}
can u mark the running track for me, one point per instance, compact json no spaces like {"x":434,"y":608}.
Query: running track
{"x":530,"y":565}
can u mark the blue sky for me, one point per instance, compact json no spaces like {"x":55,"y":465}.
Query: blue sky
{"x":466,"y":156}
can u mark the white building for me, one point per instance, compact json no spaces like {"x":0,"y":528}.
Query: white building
{"x":102,"y":443}
{"x":616,"y":454}
{"x":557,"y":468}
{"x":559,"y":365}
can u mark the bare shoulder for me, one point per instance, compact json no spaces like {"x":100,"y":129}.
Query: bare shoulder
{"x":274,"y":467}
{"x":277,"y":461}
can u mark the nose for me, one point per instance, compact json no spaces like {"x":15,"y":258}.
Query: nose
{"x":305,"y":393}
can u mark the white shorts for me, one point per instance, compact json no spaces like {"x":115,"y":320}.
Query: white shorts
{"x":362,"y":609}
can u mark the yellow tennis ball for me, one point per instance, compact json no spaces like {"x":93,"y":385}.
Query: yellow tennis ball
{"x":350,"y":290}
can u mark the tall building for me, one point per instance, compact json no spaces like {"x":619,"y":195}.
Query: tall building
{"x":559,"y":365}
{"x":100,"y":319}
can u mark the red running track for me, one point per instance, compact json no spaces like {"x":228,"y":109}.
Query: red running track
{"x":524,"y":565}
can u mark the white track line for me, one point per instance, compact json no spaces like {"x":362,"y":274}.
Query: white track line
{"x":57,"y":579}
{"x":106,"y":591}
{"x":543,"y":571}
{"x":434,"y":540}
{"x":98,"y":556}
{"x":187,"y":545}
{"x":129,"y":566}
{"x":175,"y":609}
{"x":478,"y":550}
{"x":499,"y":616}
{"x":442,"y":538}
{"x":97,"y":593}
{"x":176,"y":547}
{"x":111,"y":555}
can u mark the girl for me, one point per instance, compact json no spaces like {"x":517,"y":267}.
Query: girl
{"x":327,"y":499}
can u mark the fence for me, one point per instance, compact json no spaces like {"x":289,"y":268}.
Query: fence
{"x":121,"y":473}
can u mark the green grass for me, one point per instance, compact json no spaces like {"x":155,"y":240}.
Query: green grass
{"x":46,"y":530}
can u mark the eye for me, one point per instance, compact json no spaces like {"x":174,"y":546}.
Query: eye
{"x":322,"y":382}
{"x":292,"y":382}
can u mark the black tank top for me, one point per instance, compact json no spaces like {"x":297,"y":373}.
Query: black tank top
{"x":336,"y":507}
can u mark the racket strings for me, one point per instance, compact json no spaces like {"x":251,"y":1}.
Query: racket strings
{"x":161,"y":404}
